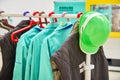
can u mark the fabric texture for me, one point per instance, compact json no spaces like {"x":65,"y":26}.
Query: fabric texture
{"x":75,"y":27}
{"x":22,"y":52}
{"x":69,"y":57}
{"x":55,"y":69}
{"x":51,"y":44}
{"x":8,"y":49}
{"x":32,"y":65}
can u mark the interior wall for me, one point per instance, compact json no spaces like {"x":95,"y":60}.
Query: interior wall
{"x":20,"y":6}
{"x":112,"y":48}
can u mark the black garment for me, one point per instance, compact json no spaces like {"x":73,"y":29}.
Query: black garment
{"x":8,"y":49}
{"x":69,"y":57}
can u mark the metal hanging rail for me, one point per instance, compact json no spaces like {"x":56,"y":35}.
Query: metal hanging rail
{"x":42,"y":16}
{"x":112,"y":34}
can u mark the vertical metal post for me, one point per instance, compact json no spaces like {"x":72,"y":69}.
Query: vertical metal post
{"x":88,"y":65}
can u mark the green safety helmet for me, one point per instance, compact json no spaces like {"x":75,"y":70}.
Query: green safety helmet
{"x":94,"y":30}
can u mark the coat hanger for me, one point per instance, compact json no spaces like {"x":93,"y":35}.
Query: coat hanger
{"x":63,"y":14}
{"x":46,"y":22}
{"x":79,"y":15}
{"x":32,"y":22}
{"x":40,"y":23}
{"x":4,"y":26}
{"x":4,"y":23}
{"x":50,"y":14}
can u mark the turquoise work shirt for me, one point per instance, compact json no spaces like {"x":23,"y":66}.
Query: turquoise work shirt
{"x":51,"y":44}
{"x":22,"y":52}
{"x":32,"y":67}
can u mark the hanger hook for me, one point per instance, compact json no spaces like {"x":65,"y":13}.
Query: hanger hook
{"x":44,"y":18}
{"x":79,"y":14}
{"x":63,"y":14}
{"x":50,"y":14}
{"x":14,"y":33}
{"x":25,"y":13}
{"x":40,"y":20}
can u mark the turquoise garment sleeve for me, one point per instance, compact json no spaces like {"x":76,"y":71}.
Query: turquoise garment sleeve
{"x":32,"y":65}
{"x":51,"y":44}
{"x":22,"y":52}
{"x":45,"y":72}
{"x":28,"y":62}
{"x":18,"y":69}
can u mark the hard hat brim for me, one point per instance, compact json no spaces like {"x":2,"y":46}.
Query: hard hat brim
{"x":87,"y":49}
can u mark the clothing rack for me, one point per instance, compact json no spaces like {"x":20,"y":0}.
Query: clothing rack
{"x":42,"y":16}
{"x":87,"y":66}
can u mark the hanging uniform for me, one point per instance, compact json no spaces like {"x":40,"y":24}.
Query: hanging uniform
{"x":51,"y":44}
{"x":32,"y":65}
{"x":22,"y":52}
{"x":56,"y":71}
{"x":8,"y":49}
{"x":69,"y":57}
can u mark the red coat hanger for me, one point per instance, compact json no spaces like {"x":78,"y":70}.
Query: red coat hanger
{"x":39,"y":22}
{"x":50,"y":14}
{"x":79,"y":14}
{"x":32,"y":22}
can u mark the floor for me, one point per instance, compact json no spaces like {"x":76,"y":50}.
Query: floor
{"x":114,"y":75}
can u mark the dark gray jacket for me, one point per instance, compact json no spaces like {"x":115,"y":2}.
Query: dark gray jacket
{"x":69,"y":56}
{"x":8,"y":49}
